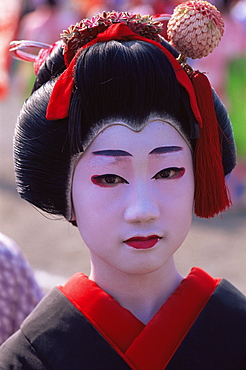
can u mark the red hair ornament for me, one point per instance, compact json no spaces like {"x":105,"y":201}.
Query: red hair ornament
{"x":59,"y":103}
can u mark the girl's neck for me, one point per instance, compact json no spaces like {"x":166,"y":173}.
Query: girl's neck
{"x":142,"y":295}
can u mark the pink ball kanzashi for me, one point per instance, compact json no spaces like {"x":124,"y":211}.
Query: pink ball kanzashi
{"x":195,"y":28}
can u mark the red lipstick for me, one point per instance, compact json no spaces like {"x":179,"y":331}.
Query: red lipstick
{"x":141,"y":242}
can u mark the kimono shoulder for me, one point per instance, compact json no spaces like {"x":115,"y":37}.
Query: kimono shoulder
{"x":57,"y":336}
{"x":217,"y":339}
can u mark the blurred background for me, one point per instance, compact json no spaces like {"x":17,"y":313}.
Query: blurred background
{"x":53,"y":247}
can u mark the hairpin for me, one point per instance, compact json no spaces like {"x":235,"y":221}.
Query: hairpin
{"x":17,"y":49}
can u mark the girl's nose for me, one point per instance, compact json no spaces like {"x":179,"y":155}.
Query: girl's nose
{"x":141,"y":207}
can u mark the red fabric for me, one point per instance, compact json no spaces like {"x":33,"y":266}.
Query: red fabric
{"x":114,"y":321}
{"x":59,"y":103}
{"x":211,"y":196}
{"x":149,"y":346}
{"x":58,"y":106}
{"x":42,"y":56}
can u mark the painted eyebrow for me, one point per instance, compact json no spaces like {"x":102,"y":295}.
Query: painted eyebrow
{"x":123,"y":153}
{"x":166,"y":149}
{"x":112,"y":153}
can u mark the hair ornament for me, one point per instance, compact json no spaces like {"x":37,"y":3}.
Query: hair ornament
{"x":17,"y":49}
{"x":195,"y":28}
{"x":87,"y":30}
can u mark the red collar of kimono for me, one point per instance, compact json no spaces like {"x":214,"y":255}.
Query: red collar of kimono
{"x":142,"y":346}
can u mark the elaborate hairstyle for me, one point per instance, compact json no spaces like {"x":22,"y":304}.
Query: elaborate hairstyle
{"x":115,"y":79}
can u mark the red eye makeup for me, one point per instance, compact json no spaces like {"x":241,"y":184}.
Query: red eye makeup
{"x":170,"y":173}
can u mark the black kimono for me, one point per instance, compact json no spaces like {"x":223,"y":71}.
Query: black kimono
{"x":202,"y":326}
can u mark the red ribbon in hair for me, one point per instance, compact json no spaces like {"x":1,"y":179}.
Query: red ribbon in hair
{"x":211,"y":195}
{"x":59,"y":103}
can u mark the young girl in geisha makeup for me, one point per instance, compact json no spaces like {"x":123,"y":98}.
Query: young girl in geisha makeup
{"x":124,"y":140}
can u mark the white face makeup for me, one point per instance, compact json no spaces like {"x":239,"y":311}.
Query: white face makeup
{"x":133,"y":196}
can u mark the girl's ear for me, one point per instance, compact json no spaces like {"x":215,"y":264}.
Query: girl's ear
{"x":73,"y":217}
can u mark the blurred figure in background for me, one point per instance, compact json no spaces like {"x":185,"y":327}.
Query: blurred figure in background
{"x":19,"y":291}
{"x":88,"y":8}
{"x":236,"y":89}
{"x":44,"y":24}
{"x":239,"y":12}
{"x":231,"y":47}
{"x":141,"y":6}
{"x":10,"y":13}
{"x":34,"y":20}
